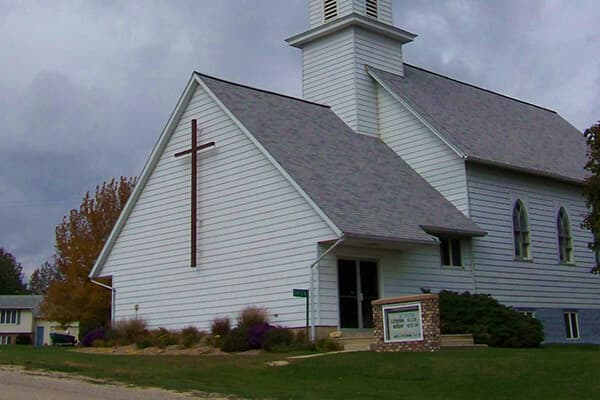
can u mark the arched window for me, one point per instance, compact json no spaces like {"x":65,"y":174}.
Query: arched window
{"x":565,"y":240}
{"x":521,"y":231}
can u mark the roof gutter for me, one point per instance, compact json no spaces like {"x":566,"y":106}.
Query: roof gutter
{"x":313,"y":328}
{"x":112,"y":297}
{"x":530,"y":171}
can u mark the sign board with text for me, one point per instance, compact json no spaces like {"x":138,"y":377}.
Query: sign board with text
{"x":402,"y":322}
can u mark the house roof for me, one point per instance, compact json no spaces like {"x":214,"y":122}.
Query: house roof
{"x":490,"y":127}
{"x":20,"y":301}
{"x":361,"y":185}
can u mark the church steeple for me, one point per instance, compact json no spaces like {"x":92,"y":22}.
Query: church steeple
{"x":321,"y":11}
{"x":343,"y":38}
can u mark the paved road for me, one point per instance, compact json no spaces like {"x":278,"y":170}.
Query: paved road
{"x":26,"y":385}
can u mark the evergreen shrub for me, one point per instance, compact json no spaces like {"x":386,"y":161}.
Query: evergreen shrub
{"x":279,"y":340}
{"x":190,"y":336}
{"x":489,"y":321}
{"x":162,"y":338}
{"x":235,"y":340}
{"x":23,"y":339}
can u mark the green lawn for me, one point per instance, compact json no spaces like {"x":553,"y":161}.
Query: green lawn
{"x":561,"y":372}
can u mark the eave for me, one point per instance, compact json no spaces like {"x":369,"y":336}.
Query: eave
{"x":346,"y":21}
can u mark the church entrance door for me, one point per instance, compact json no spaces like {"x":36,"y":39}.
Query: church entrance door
{"x":358,"y":285}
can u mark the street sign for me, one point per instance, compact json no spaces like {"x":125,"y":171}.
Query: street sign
{"x":303,"y":293}
{"x":300,"y":292}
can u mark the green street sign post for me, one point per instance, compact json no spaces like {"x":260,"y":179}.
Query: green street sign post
{"x":303,"y":293}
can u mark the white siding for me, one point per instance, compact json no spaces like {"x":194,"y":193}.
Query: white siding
{"x":543,"y":282}
{"x":329,"y":74}
{"x":315,"y":13}
{"x":334,"y":74}
{"x":385,"y":11}
{"x":422,"y":150}
{"x":379,"y":52}
{"x":400,"y":273}
{"x":256,"y":234}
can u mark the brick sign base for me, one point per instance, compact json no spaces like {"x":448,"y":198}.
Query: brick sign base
{"x":430,"y":323}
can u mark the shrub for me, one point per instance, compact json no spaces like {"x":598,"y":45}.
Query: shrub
{"x":93,"y":336}
{"x":253,"y":315}
{"x":190,"y":336}
{"x":128,"y":331}
{"x":213,"y":340}
{"x":301,"y":336}
{"x":328,"y":344}
{"x":489,"y":321}
{"x":144,"y":342}
{"x":278,"y":339}
{"x":102,"y":343}
{"x":23,"y":339}
{"x":88,"y":325}
{"x":256,"y":335}
{"x":162,"y":337}
{"x":235,"y":340}
{"x":220,"y":326}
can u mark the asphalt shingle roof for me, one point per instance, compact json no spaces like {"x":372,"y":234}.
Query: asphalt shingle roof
{"x":356,"y":180}
{"x":20,"y":301}
{"x":488,"y":126}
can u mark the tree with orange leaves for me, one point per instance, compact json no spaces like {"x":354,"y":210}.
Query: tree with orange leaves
{"x":79,"y":240}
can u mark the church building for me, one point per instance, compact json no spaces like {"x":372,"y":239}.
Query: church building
{"x":384,"y":180}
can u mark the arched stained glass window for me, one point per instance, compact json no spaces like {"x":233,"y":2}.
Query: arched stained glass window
{"x":521,"y":231}
{"x":565,"y":240}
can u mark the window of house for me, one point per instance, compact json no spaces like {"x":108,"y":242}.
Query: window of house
{"x":10,"y":317}
{"x":4,"y":340}
{"x":371,"y":8}
{"x":521,"y":231}
{"x":571,"y":325}
{"x":329,"y":9}
{"x":528,"y":313}
{"x":451,"y":252}
{"x":565,"y":240}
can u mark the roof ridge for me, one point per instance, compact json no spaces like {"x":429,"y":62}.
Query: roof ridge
{"x":481,"y":88}
{"x":262,"y":90}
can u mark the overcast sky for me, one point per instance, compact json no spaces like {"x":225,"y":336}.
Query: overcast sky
{"x":86,"y":87}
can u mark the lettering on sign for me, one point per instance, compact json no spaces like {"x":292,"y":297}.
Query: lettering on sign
{"x":402,"y":322}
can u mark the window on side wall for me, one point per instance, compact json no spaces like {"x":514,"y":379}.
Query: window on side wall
{"x":10,"y":317}
{"x":565,"y":240}
{"x":571,"y":325}
{"x":528,"y":313}
{"x":521,"y":231}
{"x":4,"y":340}
{"x":450,"y":251}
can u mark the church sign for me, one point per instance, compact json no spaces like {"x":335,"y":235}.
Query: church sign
{"x":402,"y":322}
{"x":407,"y":323}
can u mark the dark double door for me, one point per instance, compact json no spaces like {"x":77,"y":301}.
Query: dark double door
{"x":358,"y":285}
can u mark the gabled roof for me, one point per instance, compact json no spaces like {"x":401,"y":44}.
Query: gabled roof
{"x":21,"y":302}
{"x":490,"y":127}
{"x":356,"y":180}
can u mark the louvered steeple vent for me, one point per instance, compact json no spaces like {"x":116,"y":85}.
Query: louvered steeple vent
{"x":345,"y":36}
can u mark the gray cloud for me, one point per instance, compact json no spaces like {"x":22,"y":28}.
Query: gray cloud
{"x":86,"y":87}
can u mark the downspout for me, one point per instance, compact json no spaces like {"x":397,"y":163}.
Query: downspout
{"x":113,"y":292}
{"x":473,"y":278}
{"x":312,"y":286}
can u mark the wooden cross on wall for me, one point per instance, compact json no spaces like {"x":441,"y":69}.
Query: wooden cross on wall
{"x":194,"y":152}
